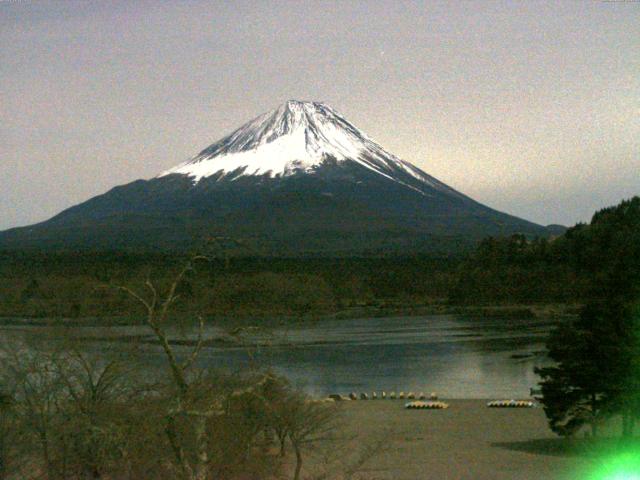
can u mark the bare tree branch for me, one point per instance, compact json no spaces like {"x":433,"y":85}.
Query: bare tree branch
{"x":137,"y":297}
{"x":196,"y":351}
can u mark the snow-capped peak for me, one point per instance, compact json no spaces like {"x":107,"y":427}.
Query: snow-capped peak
{"x":295,"y":137}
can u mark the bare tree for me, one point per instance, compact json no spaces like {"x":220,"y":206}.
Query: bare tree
{"x":70,"y":405}
{"x":38,"y":395}
{"x":307,"y":423}
{"x":188,"y":403}
{"x":198,"y":407}
{"x":276,"y":392}
{"x":95,"y":393}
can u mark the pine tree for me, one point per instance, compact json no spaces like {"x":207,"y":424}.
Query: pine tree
{"x":597,"y":371}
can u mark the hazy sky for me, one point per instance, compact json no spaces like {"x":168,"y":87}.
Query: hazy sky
{"x":531,"y":108}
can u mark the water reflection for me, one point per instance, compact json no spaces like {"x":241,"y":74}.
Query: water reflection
{"x":455,"y":356}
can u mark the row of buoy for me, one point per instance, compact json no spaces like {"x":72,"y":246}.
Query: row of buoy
{"x":384,"y":396}
{"x":421,"y":397}
{"x":510,"y":404}
{"x":419,"y":405}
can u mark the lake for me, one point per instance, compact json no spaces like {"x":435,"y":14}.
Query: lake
{"x":452,"y":355}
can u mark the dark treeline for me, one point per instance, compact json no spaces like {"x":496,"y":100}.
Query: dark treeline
{"x":596,"y":375}
{"x":501,"y":271}
{"x":518,"y":270}
{"x":84,"y":284}
{"x":574,"y":267}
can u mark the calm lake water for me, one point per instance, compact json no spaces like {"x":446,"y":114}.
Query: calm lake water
{"x":456,"y":357}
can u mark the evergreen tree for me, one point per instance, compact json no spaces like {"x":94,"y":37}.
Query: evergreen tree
{"x":597,"y":371}
{"x":573,"y":391}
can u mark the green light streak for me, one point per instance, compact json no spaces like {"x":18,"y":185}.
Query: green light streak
{"x":620,"y":466}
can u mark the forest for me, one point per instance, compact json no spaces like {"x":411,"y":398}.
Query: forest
{"x":512,"y":271}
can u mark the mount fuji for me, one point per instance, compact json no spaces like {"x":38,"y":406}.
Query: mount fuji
{"x":299,"y":180}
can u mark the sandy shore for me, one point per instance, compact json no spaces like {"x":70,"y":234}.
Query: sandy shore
{"x":466,"y":441}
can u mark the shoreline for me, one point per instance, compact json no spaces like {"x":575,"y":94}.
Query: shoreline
{"x":551,"y":311}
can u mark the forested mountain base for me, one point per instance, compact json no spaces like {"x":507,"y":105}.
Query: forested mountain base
{"x":500,"y":272}
{"x":84,"y":285}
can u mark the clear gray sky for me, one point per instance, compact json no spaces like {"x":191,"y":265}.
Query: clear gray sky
{"x":532,"y":108}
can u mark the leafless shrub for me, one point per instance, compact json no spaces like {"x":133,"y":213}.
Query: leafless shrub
{"x":71,"y":414}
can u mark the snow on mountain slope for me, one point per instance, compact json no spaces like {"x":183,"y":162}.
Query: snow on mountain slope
{"x":296,"y":137}
{"x":298,"y":180}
